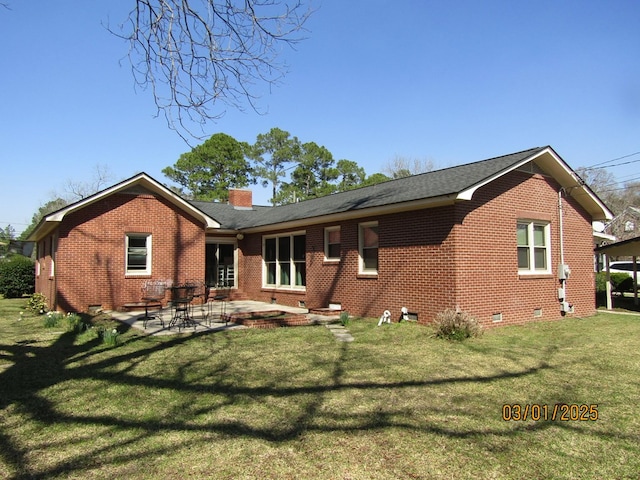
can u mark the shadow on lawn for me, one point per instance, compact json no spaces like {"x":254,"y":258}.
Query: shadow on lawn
{"x":620,"y":301}
{"x":34,"y":369}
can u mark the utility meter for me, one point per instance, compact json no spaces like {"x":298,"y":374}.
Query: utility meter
{"x":563,"y":271}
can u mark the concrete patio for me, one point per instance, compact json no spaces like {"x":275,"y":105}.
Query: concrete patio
{"x":135,"y":319}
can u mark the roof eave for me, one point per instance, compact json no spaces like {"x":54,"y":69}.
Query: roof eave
{"x":551,"y":163}
{"x":358,"y":213}
{"x":51,"y":221}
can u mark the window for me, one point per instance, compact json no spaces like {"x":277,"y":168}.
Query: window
{"x":285,"y":261}
{"x":533,"y":247}
{"x":52,"y":256}
{"x":368,"y":243}
{"x":138,"y":254}
{"x":39,"y":255}
{"x":332,"y":243}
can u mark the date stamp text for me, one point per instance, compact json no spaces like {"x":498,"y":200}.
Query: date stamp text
{"x":563,"y":412}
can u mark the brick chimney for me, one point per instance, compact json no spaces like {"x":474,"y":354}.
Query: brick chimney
{"x":240,"y":198}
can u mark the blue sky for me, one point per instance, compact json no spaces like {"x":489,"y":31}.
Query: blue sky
{"x":449,"y":81}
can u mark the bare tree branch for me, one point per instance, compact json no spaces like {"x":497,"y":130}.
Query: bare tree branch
{"x":77,"y":190}
{"x":399,"y":166}
{"x":195,"y":54}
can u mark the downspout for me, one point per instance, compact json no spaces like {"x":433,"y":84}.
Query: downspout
{"x":608,"y":286}
{"x":561,"y":226}
{"x":563,"y":269}
{"x":635,"y":279}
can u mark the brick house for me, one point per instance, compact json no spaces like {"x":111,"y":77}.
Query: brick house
{"x":486,"y":237}
{"x":625,"y":225}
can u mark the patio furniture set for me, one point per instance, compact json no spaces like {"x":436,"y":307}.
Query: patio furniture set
{"x":188,"y":301}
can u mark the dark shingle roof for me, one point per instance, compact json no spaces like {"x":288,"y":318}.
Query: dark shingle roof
{"x":434,"y":184}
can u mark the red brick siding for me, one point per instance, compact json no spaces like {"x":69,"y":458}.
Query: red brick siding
{"x":90,"y":260}
{"x":241,"y":198}
{"x":251,"y":276}
{"x":464,"y":255}
{"x":487,"y":276}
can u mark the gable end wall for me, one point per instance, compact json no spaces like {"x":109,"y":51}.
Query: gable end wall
{"x":90,"y":258}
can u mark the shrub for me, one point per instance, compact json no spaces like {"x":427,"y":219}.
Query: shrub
{"x":37,"y":303}
{"x":620,"y":282}
{"x":344,"y":318}
{"x":456,"y":325}
{"x":17,"y":276}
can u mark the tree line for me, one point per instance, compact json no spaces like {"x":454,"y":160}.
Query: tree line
{"x":295,"y":171}
{"x":209,"y":170}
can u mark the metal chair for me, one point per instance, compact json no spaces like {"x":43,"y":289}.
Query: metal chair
{"x":201,"y":296}
{"x":221,"y":296}
{"x":153,"y":293}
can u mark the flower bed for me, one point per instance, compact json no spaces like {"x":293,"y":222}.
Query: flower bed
{"x":269,"y":319}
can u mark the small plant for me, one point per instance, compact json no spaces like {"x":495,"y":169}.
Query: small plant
{"x":344,"y":318}
{"x":37,"y":303}
{"x":75,"y":323}
{"x":110,"y":337}
{"x":456,"y":325}
{"x":52,"y":319}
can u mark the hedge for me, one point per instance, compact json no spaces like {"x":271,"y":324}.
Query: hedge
{"x":17,"y":276}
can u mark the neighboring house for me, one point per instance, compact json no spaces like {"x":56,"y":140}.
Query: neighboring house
{"x":626,"y":225}
{"x":486,"y":237}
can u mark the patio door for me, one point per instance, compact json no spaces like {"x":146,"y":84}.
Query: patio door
{"x":220,"y":264}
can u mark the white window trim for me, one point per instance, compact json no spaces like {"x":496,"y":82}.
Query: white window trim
{"x":52,"y":255}
{"x":147,"y":270}
{"x":361,"y":269}
{"x":327,"y":230}
{"x":277,"y":285}
{"x":547,"y":241}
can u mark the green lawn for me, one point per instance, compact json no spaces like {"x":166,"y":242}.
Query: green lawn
{"x":295,"y":403}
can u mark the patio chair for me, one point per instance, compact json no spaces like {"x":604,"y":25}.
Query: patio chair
{"x":223,"y":291}
{"x":201,"y":296}
{"x":153,"y":293}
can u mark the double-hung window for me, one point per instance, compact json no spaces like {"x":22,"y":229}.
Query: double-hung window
{"x":368,"y":247}
{"x":284,"y":261}
{"x":534,"y":254}
{"x":138,"y":254}
{"x":332,"y":243}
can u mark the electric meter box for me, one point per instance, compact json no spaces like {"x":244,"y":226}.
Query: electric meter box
{"x":563,"y":271}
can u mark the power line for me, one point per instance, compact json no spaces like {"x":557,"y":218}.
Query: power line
{"x":618,"y":188}
{"x":13,"y":224}
{"x":625,"y":178}
{"x":597,"y":165}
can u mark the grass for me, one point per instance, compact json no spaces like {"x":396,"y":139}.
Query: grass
{"x":295,"y":403}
